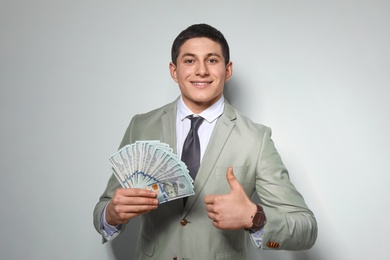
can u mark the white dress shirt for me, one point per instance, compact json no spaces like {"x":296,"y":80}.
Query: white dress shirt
{"x":183,"y":124}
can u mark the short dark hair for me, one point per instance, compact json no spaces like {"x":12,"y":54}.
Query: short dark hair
{"x":197,"y":31}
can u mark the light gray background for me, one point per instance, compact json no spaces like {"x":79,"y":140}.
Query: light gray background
{"x":73,"y":73}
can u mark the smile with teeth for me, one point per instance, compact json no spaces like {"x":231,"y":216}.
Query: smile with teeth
{"x":201,"y":84}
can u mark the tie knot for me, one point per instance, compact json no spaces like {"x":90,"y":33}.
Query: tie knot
{"x":195,"y":122}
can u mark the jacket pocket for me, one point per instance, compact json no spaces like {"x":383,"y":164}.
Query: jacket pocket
{"x":241,"y":173}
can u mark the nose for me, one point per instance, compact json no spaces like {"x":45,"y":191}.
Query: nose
{"x":202,"y":69}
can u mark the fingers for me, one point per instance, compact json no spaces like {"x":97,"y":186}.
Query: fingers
{"x":210,"y":212}
{"x":210,"y":207}
{"x":128,"y":203}
{"x":209,"y":199}
{"x":135,"y":192}
{"x":230,"y":175}
{"x":133,"y":197}
{"x":231,"y":178}
{"x":217,"y":219}
{"x":229,"y":210}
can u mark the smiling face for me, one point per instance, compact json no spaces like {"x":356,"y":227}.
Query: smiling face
{"x":201,"y":73}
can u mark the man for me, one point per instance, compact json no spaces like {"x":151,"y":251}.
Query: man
{"x":237,"y":157}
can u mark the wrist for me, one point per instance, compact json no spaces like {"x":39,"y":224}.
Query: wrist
{"x":258,"y":219}
{"x":109,"y":221}
{"x":252,"y":212}
{"x":107,"y":216}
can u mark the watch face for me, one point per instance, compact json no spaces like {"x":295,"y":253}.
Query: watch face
{"x":258,"y":220}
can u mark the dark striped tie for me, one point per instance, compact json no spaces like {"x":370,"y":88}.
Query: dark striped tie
{"x":191,"y":148}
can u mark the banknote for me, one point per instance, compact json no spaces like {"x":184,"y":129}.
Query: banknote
{"x":171,"y":189}
{"x":152,"y":165}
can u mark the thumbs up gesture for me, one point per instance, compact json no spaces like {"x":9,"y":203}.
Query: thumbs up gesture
{"x":232,"y":210}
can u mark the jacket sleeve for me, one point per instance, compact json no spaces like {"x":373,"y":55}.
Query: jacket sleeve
{"x":290,"y":224}
{"x":112,"y":185}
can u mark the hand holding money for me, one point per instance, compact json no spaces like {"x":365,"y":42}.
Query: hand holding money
{"x":153,"y":166}
{"x":128,"y":203}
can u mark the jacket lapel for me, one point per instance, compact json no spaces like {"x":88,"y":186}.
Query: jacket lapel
{"x":168,"y":126}
{"x":220,"y":135}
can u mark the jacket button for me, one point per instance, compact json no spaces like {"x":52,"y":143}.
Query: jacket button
{"x":183,"y":222}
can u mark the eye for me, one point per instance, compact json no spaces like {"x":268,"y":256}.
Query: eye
{"x":213,"y":60}
{"x":189,"y":61}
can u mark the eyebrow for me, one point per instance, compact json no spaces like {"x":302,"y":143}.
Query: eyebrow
{"x":193,"y":55}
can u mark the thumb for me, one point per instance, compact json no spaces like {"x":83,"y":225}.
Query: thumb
{"x":231,"y":179}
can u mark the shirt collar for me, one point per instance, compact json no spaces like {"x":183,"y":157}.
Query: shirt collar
{"x":210,"y":114}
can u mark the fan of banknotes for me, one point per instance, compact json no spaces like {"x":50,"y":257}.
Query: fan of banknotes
{"x":152,"y":165}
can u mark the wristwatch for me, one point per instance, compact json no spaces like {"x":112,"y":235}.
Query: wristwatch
{"x":258,"y":220}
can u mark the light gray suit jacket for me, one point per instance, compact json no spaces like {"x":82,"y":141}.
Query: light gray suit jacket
{"x":238,"y":142}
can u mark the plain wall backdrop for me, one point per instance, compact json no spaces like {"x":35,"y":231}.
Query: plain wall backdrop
{"x":73,"y":73}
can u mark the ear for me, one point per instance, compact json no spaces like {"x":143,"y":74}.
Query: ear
{"x":172,"y":70}
{"x":229,"y":71}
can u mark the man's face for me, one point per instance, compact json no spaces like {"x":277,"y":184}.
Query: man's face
{"x":201,"y":73}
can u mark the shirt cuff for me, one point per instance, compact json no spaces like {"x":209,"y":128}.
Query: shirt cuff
{"x":257,"y":237}
{"x":109,"y":232}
